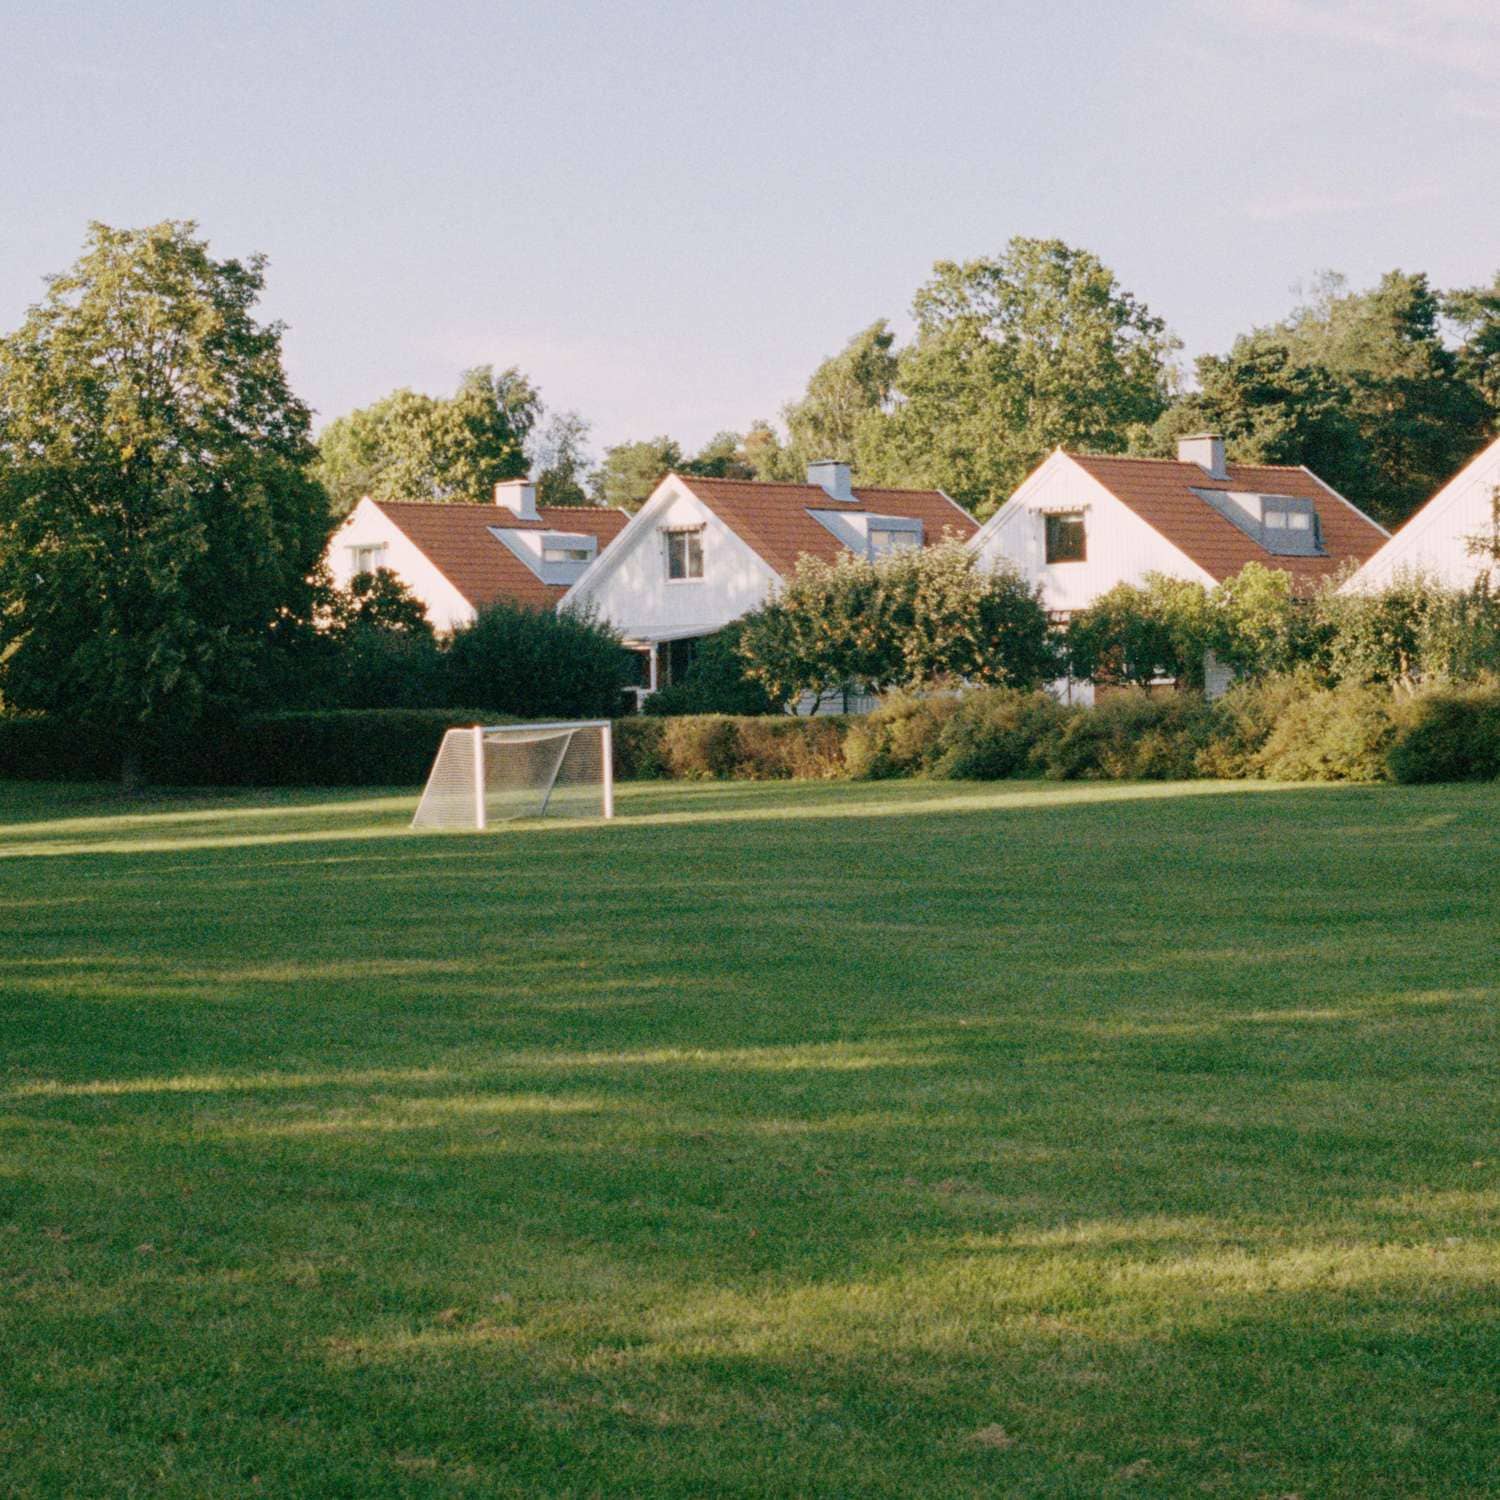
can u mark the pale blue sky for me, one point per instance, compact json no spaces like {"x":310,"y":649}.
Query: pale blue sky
{"x":668,"y":213}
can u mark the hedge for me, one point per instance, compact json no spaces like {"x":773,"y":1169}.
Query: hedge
{"x":346,"y":747}
{"x":1283,"y":729}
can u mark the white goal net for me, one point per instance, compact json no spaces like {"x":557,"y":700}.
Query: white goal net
{"x":491,"y":774}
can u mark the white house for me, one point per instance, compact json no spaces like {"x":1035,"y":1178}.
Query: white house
{"x":1081,"y":523}
{"x":458,"y":558}
{"x":1435,"y":542}
{"x":702,"y":552}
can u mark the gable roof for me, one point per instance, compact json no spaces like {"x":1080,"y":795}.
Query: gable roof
{"x":456,"y":539}
{"x":1435,"y":538}
{"x":1160,"y":492}
{"x":775,"y":520}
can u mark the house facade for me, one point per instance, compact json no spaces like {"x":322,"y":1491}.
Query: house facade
{"x":702,"y":552}
{"x":1080,"y":524}
{"x":1439,"y":541}
{"x":459,"y":558}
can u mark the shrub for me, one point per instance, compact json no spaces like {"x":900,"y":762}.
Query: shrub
{"x":702,"y":746}
{"x":998,"y":734}
{"x":1243,"y":720}
{"x":1132,"y":735}
{"x":638,"y":749}
{"x":537,"y":664}
{"x":900,"y":738}
{"x":41,"y":747}
{"x":716,"y":682}
{"x":1450,"y":735}
{"x":1339,"y":734}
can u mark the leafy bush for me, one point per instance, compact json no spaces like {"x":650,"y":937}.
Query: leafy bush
{"x":42,"y":747}
{"x":1243,"y":720}
{"x":537,"y":664}
{"x":900,"y":738}
{"x":998,"y":734}
{"x":1132,"y":735}
{"x":702,"y":746}
{"x":716,"y":682}
{"x":638,"y":749}
{"x":1449,"y":735}
{"x":1339,"y":734}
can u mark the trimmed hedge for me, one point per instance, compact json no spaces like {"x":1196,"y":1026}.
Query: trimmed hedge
{"x":1282,"y":729}
{"x":344,"y":747}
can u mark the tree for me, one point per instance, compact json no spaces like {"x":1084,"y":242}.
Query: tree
{"x":1270,"y":409}
{"x":157,"y":513}
{"x":847,"y":397}
{"x":1475,"y":313}
{"x":1259,"y":624}
{"x":721,"y":457}
{"x":916,"y":619}
{"x":538,"y":664}
{"x":411,"y":446}
{"x":1140,"y":634}
{"x":630,"y":471}
{"x":1362,"y":387}
{"x":1015,"y":355}
{"x":561,"y":461}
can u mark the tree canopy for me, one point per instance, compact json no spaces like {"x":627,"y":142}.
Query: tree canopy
{"x":157,"y":514}
{"x":1371,"y":390}
{"x":411,"y":446}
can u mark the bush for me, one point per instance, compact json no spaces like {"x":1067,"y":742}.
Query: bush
{"x":1243,"y":720}
{"x":537,"y":664}
{"x":701,"y":746}
{"x":1132,"y":735}
{"x":1451,"y":735}
{"x":1000,"y":733}
{"x":1339,"y":734}
{"x":39,"y":747}
{"x":638,"y":749}
{"x":714,"y":683}
{"x":900,"y":738}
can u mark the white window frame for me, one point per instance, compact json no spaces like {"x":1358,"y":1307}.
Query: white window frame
{"x":358,"y":551}
{"x":688,"y":535}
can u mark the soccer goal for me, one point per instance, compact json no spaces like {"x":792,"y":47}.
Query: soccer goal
{"x":493,"y":773}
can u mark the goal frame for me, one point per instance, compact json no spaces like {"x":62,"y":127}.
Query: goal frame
{"x":481,"y":822}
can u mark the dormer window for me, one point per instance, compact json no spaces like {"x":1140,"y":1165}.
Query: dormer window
{"x":559,"y":548}
{"x":886,"y":538}
{"x":1067,"y":540}
{"x":366,"y":557}
{"x":684,"y":553}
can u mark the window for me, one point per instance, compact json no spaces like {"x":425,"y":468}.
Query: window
{"x":887,"y":539}
{"x":567,"y":554}
{"x":1278,"y":519}
{"x":367,"y":558}
{"x":1065,"y":538}
{"x":685,"y":554}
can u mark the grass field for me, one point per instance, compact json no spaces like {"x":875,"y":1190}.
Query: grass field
{"x":809,"y":1140}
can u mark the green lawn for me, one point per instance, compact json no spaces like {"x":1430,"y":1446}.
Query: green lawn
{"x":911,"y":1140}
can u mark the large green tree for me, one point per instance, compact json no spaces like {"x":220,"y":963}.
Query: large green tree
{"x":1015,"y":355}
{"x":1366,"y":388}
{"x":630,"y":471}
{"x":412,"y":446}
{"x":561,"y":460}
{"x":157,"y":514}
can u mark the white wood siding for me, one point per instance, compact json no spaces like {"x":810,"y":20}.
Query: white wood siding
{"x":629,"y":586}
{"x":1432,"y":542}
{"x":367,"y":525}
{"x":1120,"y":546}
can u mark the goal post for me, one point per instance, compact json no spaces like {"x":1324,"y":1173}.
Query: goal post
{"x":493,"y":773}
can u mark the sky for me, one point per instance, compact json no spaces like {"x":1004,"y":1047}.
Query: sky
{"x":666,"y":214}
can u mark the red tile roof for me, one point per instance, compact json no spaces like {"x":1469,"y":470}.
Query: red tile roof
{"x":775,"y":520}
{"x":457,"y":541}
{"x":1160,"y":491}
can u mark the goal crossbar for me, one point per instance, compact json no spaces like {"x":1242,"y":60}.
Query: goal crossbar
{"x":490,"y":773}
